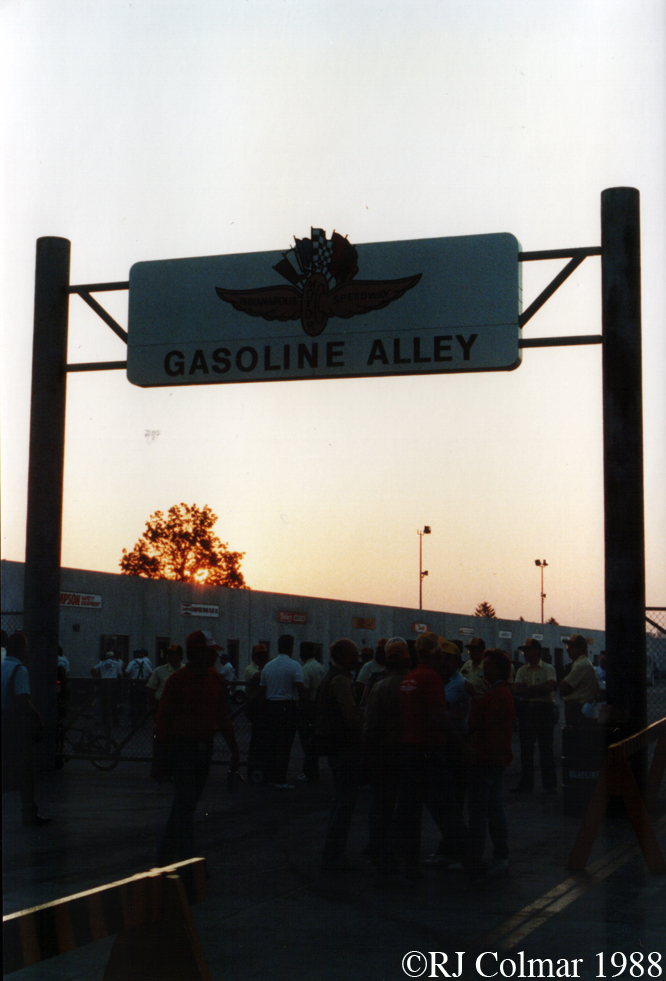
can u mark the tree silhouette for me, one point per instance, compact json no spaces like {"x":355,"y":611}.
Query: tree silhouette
{"x":182,"y":546}
{"x":485,"y":610}
{"x":553,"y":620}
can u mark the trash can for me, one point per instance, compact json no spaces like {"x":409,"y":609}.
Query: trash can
{"x":583,"y":755}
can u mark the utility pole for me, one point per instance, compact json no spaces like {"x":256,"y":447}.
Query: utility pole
{"x":422,"y":573}
{"x":542,"y":563}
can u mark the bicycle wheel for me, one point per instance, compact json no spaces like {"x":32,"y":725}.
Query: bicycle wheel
{"x":255,"y":773}
{"x":104,"y":753}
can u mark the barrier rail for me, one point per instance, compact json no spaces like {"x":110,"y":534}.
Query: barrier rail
{"x":150,"y":912}
{"x":617,"y":779}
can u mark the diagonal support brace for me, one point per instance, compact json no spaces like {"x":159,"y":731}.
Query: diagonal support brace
{"x":82,"y":291}
{"x":552,"y":287}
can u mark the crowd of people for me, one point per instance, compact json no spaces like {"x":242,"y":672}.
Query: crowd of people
{"x":421,"y":728}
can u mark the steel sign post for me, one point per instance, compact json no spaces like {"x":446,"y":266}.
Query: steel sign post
{"x":624,"y":525}
{"x":41,"y":601}
{"x":333,"y":311}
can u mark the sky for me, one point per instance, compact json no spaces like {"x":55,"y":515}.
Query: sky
{"x":159,"y":129}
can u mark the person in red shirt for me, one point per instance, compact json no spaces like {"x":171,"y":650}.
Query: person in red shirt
{"x":191,"y":710}
{"x":425,"y":733}
{"x":490,"y":728}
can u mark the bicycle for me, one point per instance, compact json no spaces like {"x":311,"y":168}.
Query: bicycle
{"x":82,"y":741}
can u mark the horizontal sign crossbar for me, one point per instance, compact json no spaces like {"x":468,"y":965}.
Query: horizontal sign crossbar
{"x":98,"y":287}
{"x":560,"y":341}
{"x":559,"y":254}
{"x":96,"y":366}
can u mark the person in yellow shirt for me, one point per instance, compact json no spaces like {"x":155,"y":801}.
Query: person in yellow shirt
{"x":580,"y":686}
{"x":534,"y":694}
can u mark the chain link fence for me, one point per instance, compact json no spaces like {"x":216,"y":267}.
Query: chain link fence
{"x":108,"y":721}
{"x":12,"y":621}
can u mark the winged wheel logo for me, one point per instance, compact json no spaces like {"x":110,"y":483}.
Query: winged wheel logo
{"x":321,"y":273}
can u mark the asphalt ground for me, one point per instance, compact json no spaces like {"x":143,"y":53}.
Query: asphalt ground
{"x":270,"y":913}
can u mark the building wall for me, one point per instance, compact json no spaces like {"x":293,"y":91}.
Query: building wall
{"x":145,"y":609}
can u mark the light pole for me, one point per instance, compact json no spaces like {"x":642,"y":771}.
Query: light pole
{"x":422,"y":572}
{"x":542,"y":565}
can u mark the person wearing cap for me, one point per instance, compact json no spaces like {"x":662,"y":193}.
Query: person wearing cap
{"x":381,"y":733}
{"x":192,"y":709}
{"x":425,"y":733}
{"x":338,"y":733}
{"x":313,"y":672}
{"x":472,"y":670}
{"x":282,"y":688}
{"x":581,"y":685}
{"x":534,"y":694}
{"x":107,"y":667}
{"x":158,"y":679}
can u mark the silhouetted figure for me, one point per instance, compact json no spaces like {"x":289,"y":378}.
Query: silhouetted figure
{"x":139,"y":670}
{"x":453,"y":846}
{"x":158,"y":679}
{"x":192,"y":709}
{"x":425,"y":731}
{"x":534,"y":694}
{"x":255,"y":710}
{"x":313,"y":672}
{"x":282,"y":688}
{"x":22,"y":726}
{"x":109,"y":670}
{"x":472,"y":670}
{"x":381,"y":732}
{"x":580,"y":687}
{"x":490,"y":727}
{"x":338,"y":728}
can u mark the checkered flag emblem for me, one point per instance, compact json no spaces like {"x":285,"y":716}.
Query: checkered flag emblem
{"x":322,"y":252}
{"x":321,"y":274}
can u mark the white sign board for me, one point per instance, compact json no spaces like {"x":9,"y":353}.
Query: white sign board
{"x":327,"y":309}
{"x":84,"y":601}
{"x":198,"y":610}
{"x":286,"y":617}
